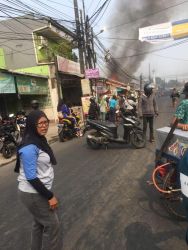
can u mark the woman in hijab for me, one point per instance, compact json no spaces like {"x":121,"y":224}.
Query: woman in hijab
{"x":34,"y":164}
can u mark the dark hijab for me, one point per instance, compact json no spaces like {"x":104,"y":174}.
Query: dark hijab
{"x":31,"y":136}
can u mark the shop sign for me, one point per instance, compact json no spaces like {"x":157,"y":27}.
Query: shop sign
{"x":68,"y":66}
{"x":32,"y":86}
{"x":92,"y":73}
{"x":7,"y":84}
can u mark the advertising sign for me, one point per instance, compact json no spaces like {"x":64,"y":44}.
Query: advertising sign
{"x":85,"y":104}
{"x":156,"y":33}
{"x":92,"y":73}
{"x":86,"y":89}
{"x":7,"y":84}
{"x":68,"y":66}
{"x":180,"y":29}
{"x":32,"y":86}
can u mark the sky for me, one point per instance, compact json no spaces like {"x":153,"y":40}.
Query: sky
{"x":167,"y":63}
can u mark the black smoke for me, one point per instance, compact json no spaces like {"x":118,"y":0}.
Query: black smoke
{"x":132,"y":12}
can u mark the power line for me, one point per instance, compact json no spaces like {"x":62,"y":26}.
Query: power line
{"x":149,"y":52}
{"x":95,"y":24}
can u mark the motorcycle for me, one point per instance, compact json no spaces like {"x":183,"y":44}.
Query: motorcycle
{"x":69,"y":128}
{"x":104,"y":133}
{"x":7,"y":141}
{"x":20,"y":124}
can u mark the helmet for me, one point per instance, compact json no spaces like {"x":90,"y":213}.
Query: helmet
{"x":35,"y":104}
{"x":148,"y":88}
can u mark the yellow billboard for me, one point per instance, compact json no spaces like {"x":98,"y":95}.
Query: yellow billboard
{"x":180,"y":29}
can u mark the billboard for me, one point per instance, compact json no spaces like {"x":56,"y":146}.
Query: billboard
{"x":156,"y":33}
{"x":180,"y":29}
{"x":92,"y":73}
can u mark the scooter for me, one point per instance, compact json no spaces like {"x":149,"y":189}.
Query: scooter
{"x":104,"y":133}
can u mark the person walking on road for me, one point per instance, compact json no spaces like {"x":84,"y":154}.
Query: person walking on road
{"x":112,"y":105}
{"x":174,"y":97}
{"x":34,"y":165}
{"x":147,"y":108}
{"x":93,"y":113}
{"x":103,"y":108}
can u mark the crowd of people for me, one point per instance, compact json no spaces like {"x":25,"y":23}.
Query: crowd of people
{"x":142,"y":105}
{"x":104,"y":108}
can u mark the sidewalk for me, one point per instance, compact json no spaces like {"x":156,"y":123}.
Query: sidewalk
{"x":52,"y":136}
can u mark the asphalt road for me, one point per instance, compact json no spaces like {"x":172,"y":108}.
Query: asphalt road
{"x":106,"y":203}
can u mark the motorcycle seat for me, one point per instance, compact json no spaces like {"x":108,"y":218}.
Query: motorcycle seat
{"x":105,"y":123}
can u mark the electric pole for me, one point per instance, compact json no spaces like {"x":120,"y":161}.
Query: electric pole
{"x":88,"y":48}
{"x":141,"y":82}
{"x":83,"y":39}
{"x":79,"y":37}
{"x":93,"y":49}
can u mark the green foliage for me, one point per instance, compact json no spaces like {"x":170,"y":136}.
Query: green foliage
{"x":61,"y":47}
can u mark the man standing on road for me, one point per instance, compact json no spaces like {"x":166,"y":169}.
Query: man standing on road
{"x":147,"y":108}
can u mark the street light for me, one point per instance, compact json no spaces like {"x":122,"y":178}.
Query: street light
{"x":101,"y":31}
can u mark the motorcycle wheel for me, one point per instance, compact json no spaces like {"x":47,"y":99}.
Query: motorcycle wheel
{"x":137,"y":139}
{"x":65,"y":135}
{"x":91,"y":143}
{"x":173,"y":202}
{"x":6,"y":152}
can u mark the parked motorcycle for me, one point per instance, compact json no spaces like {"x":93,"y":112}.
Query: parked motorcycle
{"x":7,"y":141}
{"x":104,"y":133}
{"x":20,"y":124}
{"x":69,"y":128}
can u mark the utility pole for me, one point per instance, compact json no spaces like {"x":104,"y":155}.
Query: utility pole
{"x":78,"y":32}
{"x":141,"y":82}
{"x":93,"y":49}
{"x":83,"y":39}
{"x":88,"y":48}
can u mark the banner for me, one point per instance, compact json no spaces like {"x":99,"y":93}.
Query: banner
{"x":7,"y":84}
{"x":92,"y":73}
{"x":32,"y":86}
{"x":156,"y":33}
{"x":180,"y":29}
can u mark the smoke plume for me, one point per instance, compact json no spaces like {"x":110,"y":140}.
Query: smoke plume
{"x":131,"y":13}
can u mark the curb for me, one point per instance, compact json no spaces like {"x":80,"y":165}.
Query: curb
{"x":54,"y":139}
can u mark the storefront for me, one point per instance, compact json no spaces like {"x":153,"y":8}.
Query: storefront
{"x":70,"y":79}
{"x":18,"y":89}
